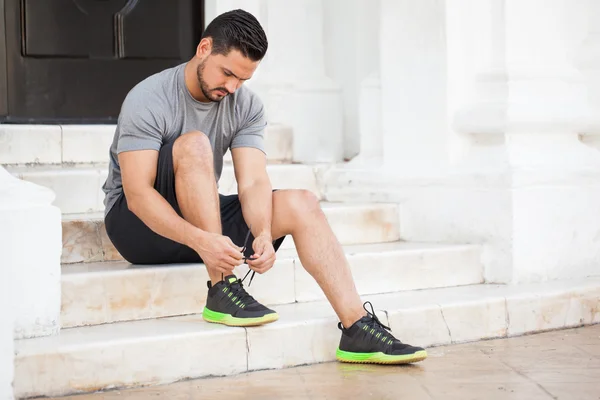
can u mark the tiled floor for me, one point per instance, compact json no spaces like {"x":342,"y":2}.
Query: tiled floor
{"x":554,"y":365}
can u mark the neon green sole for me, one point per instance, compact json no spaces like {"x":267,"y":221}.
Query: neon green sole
{"x":379,"y":357}
{"x":227,"y":319}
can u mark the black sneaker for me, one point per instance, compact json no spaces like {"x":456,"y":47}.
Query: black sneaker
{"x":228,"y":303}
{"x":368,"y":341}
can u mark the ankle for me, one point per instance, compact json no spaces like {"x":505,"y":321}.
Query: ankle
{"x":214,"y":276}
{"x":215,"y":279}
{"x":351,"y":319}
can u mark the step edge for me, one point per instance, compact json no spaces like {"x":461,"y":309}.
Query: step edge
{"x":289,"y":255}
{"x":578,"y":285}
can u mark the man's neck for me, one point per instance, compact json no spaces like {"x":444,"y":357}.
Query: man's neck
{"x":191,"y":82}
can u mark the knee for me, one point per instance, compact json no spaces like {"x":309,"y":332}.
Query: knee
{"x":193,"y":147}
{"x":302,"y":203}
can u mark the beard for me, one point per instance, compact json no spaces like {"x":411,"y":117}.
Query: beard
{"x":207,"y":91}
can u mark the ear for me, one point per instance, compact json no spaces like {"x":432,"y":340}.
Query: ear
{"x":204,"y":47}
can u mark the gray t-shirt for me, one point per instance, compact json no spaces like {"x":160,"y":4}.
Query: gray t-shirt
{"x":160,"y":108}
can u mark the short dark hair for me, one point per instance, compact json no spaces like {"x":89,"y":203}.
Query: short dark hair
{"x":240,"y":30}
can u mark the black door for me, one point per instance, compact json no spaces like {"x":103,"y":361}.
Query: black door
{"x":75,"y":60}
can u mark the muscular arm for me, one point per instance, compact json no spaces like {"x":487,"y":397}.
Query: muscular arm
{"x":254,"y":189}
{"x":138,"y":172}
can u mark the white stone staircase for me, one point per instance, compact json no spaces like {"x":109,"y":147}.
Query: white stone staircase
{"x":127,"y":326}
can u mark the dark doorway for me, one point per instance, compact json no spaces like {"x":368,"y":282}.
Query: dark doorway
{"x":73,"y":61}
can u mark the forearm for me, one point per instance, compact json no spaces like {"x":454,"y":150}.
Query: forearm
{"x":152,"y":208}
{"x":257,"y":206}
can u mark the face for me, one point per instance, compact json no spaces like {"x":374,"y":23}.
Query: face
{"x":219,"y":75}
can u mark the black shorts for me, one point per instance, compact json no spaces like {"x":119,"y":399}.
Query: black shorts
{"x":138,"y":244}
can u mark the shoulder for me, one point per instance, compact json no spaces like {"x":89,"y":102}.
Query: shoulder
{"x":154,"y":93}
{"x":247,"y":102}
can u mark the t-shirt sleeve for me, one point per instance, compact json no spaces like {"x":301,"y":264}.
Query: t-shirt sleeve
{"x":253,"y":122}
{"x":142,"y":123}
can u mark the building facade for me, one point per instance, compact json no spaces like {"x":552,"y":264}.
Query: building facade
{"x":479,"y":118}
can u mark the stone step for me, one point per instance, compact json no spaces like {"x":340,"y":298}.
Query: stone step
{"x":57,"y":144}
{"x":78,"y":187}
{"x":97,"y":293}
{"x":165,"y":350}
{"x":85,"y":240}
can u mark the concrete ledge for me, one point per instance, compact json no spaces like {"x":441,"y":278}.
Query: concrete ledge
{"x":85,"y":238}
{"x":98,"y":293}
{"x":78,"y":188}
{"x":56,"y":144}
{"x":132,"y":354}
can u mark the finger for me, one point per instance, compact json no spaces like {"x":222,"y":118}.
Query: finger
{"x":264,"y":268}
{"x":258,"y":260}
{"x":258,"y":250}
{"x":229,"y":262}
{"x":234,"y":262}
{"x":233,"y":245}
{"x":258,"y":265}
{"x":258,"y":270}
{"x":263,"y":263}
{"x":265,"y":256}
{"x":253,"y":265}
{"x":231,"y":252}
{"x":267,"y":248}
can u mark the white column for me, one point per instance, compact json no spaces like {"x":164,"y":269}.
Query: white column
{"x":31,"y":240}
{"x":556,"y":195}
{"x":587,"y":58}
{"x":300,"y":92}
{"x":413,"y":82}
{"x":522,"y":120}
{"x":351,"y":40}
{"x":369,"y":122}
{"x":6,"y":334}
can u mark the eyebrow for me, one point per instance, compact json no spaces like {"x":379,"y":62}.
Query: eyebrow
{"x":229,"y":72}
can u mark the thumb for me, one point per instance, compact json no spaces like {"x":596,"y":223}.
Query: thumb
{"x":259,"y":248}
{"x":230,"y":242}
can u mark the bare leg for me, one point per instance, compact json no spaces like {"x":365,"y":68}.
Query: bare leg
{"x":297,"y":212}
{"x":195,"y":184}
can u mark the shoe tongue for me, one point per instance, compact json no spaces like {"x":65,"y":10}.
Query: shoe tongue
{"x":229,"y":279}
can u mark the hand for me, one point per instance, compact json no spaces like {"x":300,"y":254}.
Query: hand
{"x":219,"y":252}
{"x":264,"y":254}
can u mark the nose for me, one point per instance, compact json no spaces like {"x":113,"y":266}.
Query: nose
{"x":231,"y":86}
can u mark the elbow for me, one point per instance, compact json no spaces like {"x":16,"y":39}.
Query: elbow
{"x":264,"y":184}
{"x":133,"y":201}
{"x":131,"y":204}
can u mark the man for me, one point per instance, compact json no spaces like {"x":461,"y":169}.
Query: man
{"x":163,"y":206}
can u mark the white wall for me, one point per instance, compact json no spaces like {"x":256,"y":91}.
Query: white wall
{"x":6,"y":334}
{"x":483,"y":105}
{"x":413,"y":84}
{"x":292,"y":80}
{"x":31,"y":236}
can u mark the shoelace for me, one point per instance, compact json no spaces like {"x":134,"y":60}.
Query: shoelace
{"x":243,"y":251}
{"x":237,"y":288}
{"x":374,"y":322}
